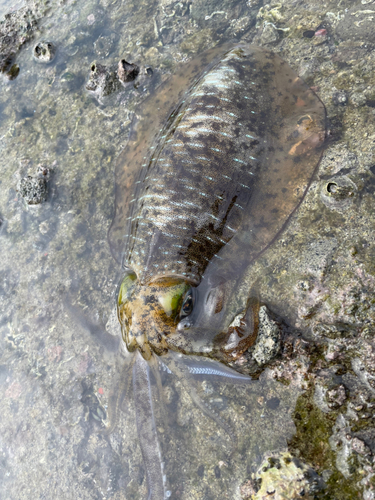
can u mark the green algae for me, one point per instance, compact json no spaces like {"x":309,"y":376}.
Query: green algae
{"x":311,"y":442}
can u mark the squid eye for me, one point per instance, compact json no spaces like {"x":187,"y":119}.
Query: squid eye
{"x":171,"y":298}
{"x":187,"y":304}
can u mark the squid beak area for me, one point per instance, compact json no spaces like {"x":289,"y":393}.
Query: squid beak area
{"x":138,"y":340}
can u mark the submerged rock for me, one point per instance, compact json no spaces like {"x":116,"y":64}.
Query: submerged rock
{"x":127,"y":72}
{"x":269,"y":34}
{"x":44,"y":51}
{"x":33,"y":189}
{"x":357,"y":23}
{"x":103,"y":81}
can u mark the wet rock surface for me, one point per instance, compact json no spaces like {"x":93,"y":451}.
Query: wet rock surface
{"x":317,"y":280}
{"x":267,"y":345}
{"x":16,"y":29}
{"x":357,"y":22}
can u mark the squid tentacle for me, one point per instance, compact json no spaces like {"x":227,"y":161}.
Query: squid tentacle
{"x":147,"y":433}
{"x":117,"y":398}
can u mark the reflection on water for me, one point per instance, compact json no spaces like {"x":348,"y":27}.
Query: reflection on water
{"x":56,"y":370}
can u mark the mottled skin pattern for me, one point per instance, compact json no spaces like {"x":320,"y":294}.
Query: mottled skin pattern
{"x":220,"y":159}
{"x":148,"y":325}
{"x":218,"y":183}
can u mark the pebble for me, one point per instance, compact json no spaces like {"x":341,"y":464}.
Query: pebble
{"x":33,"y":189}
{"x":103,"y":81}
{"x":44,"y":51}
{"x":127,"y":72}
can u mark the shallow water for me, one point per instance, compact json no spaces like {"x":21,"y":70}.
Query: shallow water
{"x":7,"y":6}
{"x":58,"y":363}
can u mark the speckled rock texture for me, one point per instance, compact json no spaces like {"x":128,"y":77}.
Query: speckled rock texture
{"x":281,"y":477}
{"x":267,"y":345}
{"x":58,"y":364}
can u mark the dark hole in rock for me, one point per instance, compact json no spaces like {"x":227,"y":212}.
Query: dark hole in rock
{"x":332,"y":187}
{"x":274,"y":462}
{"x":258,"y":484}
